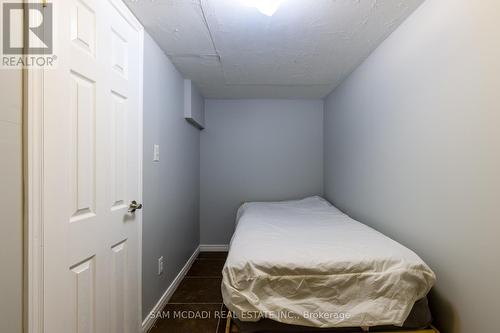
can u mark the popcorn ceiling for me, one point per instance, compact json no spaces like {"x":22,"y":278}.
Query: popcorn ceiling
{"x":304,"y":51}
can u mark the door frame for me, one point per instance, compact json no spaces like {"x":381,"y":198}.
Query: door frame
{"x":33,"y":174}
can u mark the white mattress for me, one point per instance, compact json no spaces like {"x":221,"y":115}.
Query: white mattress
{"x":306,"y":263}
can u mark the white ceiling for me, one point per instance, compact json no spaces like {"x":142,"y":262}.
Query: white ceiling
{"x":304,"y":50}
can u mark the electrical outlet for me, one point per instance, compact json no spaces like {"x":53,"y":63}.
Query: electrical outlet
{"x":160,"y":266}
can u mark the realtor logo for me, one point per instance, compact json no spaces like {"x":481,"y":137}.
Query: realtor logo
{"x":27,"y":31}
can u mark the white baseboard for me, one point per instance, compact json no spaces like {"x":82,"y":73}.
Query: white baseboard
{"x":214,"y":247}
{"x":151,"y":318}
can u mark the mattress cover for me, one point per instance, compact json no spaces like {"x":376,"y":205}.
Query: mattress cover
{"x":306,"y":263}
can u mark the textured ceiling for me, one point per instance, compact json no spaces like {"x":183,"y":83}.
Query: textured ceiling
{"x":304,"y":50}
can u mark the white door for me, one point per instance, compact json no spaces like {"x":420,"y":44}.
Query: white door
{"x":92,"y":170}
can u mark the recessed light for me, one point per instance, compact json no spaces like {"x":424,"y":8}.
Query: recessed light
{"x":266,"y":7}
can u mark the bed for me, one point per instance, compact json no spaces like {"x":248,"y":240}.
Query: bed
{"x":305,"y":263}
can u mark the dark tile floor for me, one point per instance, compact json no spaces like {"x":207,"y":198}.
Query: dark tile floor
{"x":196,"y":306}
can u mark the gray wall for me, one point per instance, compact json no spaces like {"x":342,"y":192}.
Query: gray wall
{"x":11,"y":222}
{"x":412,"y":147}
{"x":171,"y":186}
{"x":257,"y":150}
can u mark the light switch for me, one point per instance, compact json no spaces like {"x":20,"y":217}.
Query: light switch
{"x":156,"y":153}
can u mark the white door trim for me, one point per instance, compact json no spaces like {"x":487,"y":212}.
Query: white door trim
{"x":33,"y":183}
{"x":33,"y":156}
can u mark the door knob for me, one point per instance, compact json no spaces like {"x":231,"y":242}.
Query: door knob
{"x":134,"y":206}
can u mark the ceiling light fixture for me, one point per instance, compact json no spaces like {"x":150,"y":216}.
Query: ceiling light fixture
{"x":266,"y":7}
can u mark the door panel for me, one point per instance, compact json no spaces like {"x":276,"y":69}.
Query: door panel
{"x":82,"y":109}
{"x":84,"y":287}
{"x":119,"y":150}
{"x":92,"y":140}
{"x":83,"y":25}
{"x":118,"y":288}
